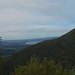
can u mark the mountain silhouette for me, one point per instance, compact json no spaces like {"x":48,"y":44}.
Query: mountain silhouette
{"x":61,"y":50}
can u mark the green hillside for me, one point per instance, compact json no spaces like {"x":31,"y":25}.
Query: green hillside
{"x":61,"y":50}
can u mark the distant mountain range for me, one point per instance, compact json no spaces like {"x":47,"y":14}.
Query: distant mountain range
{"x":61,"y":50}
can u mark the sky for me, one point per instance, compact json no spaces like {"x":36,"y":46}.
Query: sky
{"x":27,"y":19}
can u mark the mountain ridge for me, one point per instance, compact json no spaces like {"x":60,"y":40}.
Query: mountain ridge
{"x":61,"y":50}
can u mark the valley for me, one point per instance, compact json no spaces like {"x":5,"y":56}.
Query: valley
{"x":10,"y":47}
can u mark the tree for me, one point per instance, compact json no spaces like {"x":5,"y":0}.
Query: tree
{"x":0,"y":43}
{"x":0,"y":52}
{"x":72,"y":70}
{"x":38,"y":67}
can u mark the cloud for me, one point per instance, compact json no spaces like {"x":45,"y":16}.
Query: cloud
{"x":24,"y":18}
{"x":27,"y":11}
{"x":32,"y":31}
{"x":36,"y":11}
{"x":12,"y":16}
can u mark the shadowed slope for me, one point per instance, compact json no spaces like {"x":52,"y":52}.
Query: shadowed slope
{"x":61,"y":50}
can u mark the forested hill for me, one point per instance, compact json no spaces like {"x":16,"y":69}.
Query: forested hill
{"x":61,"y":50}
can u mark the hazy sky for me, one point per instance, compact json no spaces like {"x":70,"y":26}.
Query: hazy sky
{"x":23,"y":19}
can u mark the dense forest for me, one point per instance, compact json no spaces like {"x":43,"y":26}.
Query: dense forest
{"x":60,"y":54}
{"x":41,"y":67}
